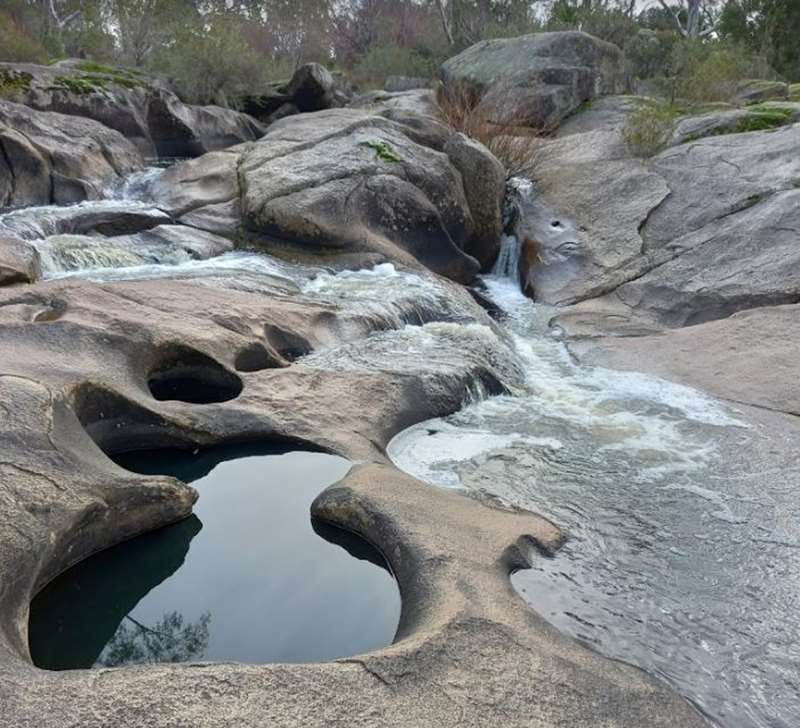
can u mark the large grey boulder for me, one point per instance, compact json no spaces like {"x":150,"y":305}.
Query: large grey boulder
{"x":755,"y":91}
{"x":349,"y":181}
{"x":346,"y":179}
{"x":54,"y":158}
{"x":140,"y":107}
{"x":659,"y":239}
{"x":546,"y":76}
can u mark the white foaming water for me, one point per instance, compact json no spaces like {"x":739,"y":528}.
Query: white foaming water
{"x":389,"y":298}
{"x":664,"y":498}
{"x":621,"y":414}
{"x":250,"y":263}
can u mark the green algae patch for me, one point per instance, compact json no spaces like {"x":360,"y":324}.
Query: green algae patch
{"x":383,"y":151}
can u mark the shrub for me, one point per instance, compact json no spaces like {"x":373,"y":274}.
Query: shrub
{"x":381,"y":61}
{"x":648,"y":53}
{"x":497,"y":121}
{"x":17,"y":45}
{"x":609,"y":24}
{"x":702,"y":72}
{"x":211,"y":64}
{"x":649,"y":128}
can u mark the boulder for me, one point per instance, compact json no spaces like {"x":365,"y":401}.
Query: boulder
{"x":619,"y":218}
{"x":349,"y":180}
{"x":312,"y":88}
{"x":546,"y":76}
{"x":418,"y":101}
{"x":756,"y":91}
{"x":395,"y":84}
{"x":734,"y":121}
{"x":140,"y":107}
{"x":50,"y":158}
{"x":744,"y":260}
{"x":19,"y":262}
{"x":484,"y":185}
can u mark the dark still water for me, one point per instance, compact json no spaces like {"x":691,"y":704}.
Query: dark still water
{"x":249,"y":577}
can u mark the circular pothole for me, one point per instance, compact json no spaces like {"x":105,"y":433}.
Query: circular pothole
{"x":187,"y":375}
{"x":249,"y":577}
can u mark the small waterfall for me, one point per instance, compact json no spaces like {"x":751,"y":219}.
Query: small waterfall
{"x":507,"y":263}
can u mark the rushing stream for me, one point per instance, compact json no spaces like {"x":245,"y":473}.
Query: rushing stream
{"x":683,"y":554}
{"x":678,"y":560}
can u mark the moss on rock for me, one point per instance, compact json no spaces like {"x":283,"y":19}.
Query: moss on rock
{"x":11,"y":82}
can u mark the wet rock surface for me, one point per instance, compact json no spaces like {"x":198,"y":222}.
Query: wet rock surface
{"x":76,"y":358}
{"x":213,"y":346}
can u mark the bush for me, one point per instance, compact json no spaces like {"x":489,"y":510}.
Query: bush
{"x":648,"y":53}
{"x":211,"y":64}
{"x":711,"y":71}
{"x":17,"y":45}
{"x":381,"y":61}
{"x":609,"y":24}
{"x":649,"y":128}
{"x":496,"y":121}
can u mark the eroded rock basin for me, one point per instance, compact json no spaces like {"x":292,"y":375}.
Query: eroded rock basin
{"x":249,"y":577}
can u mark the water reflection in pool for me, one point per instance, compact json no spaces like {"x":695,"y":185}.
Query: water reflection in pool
{"x":249,"y":577}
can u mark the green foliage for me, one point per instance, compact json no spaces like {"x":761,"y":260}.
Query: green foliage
{"x":768,"y":27}
{"x":88,"y":83}
{"x":599,"y":19}
{"x":12,"y":82}
{"x":211,"y":63}
{"x":707,"y":71}
{"x":648,"y":53}
{"x":16,"y":44}
{"x":649,"y":128}
{"x":763,"y":120}
{"x":383,"y":151}
{"x":794,"y":92}
{"x":381,"y":61}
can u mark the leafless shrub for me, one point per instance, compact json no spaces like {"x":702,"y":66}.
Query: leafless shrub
{"x":497,"y":119}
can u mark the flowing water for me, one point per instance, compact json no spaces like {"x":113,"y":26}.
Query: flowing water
{"x":249,"y":577}
{"x":682,"y":514}
{"x":679,"y":558}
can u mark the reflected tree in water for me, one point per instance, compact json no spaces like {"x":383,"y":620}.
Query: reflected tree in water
{"x":169,"y":640}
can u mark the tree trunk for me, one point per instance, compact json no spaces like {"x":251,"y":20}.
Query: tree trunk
{"x":446,"y":22}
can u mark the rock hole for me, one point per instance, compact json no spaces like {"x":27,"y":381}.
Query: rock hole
{"x":188,"y":375}
{"x":254,"y":357}
{"x":117,"y":425}
{"x":289,"y":345}
{"x":261,"y":582}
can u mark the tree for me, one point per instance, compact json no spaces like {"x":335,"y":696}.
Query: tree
{"x":693,"y":18}
{"x":169,"y":640}
{"x":768,"y":27}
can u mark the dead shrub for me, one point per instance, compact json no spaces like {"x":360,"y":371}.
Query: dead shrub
{"x":498,"y":120}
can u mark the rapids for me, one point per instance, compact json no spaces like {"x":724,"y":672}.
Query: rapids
{"x":678,"y":559}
